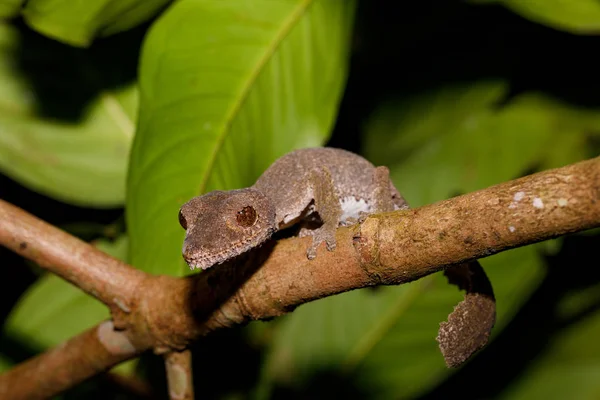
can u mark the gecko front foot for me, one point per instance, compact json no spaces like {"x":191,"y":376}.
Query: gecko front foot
{"x":362,"y":216}
{"x":321,"y":235}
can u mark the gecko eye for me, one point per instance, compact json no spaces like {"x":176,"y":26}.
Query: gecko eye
{"x":182,"y":220}
{"x":246,"y":217}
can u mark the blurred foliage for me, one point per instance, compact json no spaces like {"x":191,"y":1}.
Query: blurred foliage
{"x":79,"y":22}
{"x":84,"y":160}
{"x":473,"y":136}
{"x":579,"y":17}
{"x":452,"y":96}
{"x":569,"y":368}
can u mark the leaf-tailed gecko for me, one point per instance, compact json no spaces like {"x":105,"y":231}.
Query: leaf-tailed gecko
{"x":321,"y":189}
{"x":318,"y":188}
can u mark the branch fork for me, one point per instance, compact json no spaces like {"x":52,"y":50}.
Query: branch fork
{"x":166,"y":314}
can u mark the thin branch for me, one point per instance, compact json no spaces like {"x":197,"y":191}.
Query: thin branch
{"x":83,"y":356}
{"x":168,"y":313}
{"x":108,"y":279}
{"x":179,"y":375}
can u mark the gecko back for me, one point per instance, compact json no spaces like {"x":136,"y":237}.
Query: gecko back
{"x":337,"y":186}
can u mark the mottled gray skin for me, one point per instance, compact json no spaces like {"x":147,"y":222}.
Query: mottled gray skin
{"x":318,"y":188}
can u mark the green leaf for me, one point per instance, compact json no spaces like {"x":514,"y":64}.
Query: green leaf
{"x":468,"y":141}
{"x":52,"y":310}
{"x":384,"y":340}
{"x":570,"y":367}
{"x":578,"y":17}
{"x":406,"y":126}
{"x":82,"y":162}
{"x":572,"y":131}
{"x":226,"y":88}
{"x":10,"y":8}
{"x":79,"y":22}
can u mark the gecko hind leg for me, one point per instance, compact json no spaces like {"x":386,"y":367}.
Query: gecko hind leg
{"x":382,"y":194}
{"x":385,"y":196}
{"x":327,"y":205}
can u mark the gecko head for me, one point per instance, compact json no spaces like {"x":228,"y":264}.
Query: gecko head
{"x":223,"y":224}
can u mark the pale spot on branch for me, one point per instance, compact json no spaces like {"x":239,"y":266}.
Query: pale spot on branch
{"x":114,"y":341}
{"x":519,"y":196}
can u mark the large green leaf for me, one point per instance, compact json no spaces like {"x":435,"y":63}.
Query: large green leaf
{"x":52,"y":310}
{"x":79,"y":22}
{"x":226,"y":88}
{"x":82,"y":162}
{"x":400,"y":128}
{"x":459,"y":139}
{"x":579,"y":17}
{"x":10,"y":8}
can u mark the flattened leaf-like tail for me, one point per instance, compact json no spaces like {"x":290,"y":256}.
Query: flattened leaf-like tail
{"x":469,"y":326}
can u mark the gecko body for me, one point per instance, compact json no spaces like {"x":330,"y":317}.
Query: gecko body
{"x":317,"y":188}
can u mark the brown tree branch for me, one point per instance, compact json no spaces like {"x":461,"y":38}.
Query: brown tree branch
{"x":106,"y":278}
{"x":402,"y":246}
{"x":168,"y":313}
{"x":179,"y":375}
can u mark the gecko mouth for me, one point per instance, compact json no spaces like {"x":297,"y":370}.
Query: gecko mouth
{"x":206,"y":258}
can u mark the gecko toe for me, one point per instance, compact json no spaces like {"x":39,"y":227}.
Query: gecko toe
{"x":330,"y":244}
{"x":362,"y":216}
{"x":311,"y":252}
